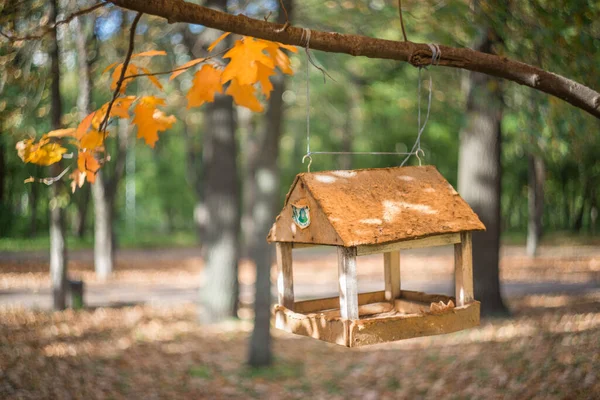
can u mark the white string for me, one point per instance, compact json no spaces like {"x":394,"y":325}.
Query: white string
{"x":436,"y":54}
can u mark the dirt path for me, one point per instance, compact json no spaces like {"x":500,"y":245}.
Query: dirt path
{"x":166,"y":277}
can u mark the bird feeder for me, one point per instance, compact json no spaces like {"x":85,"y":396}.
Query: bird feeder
{"x":375,"y":211}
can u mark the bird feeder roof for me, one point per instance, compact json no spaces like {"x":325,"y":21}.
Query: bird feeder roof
{"x":371,"y":206}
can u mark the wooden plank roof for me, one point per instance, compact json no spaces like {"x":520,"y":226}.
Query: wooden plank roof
{"x":371,"y":206}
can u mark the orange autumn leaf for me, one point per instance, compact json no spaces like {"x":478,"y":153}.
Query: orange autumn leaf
{"x":206,"y":83}
{"x":120,"y":108}
{"x":132,"y":69}
{"x":263,"y":78}
{"x":216,"y":42}
{"x":244,"y":57}
{"x":92,"y":140}
{"x":243,"y":95}
{"x":84,"y":125}
{"x":279,"y":58}
{"x":150,"y":120}
{"x":184,"y":67}
{"x":88,"y":164}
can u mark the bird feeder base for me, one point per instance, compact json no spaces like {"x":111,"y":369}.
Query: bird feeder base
{"x":380,"y":321}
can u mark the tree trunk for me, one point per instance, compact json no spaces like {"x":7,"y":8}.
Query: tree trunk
{"x":266,"y":180}
{"x":535,"y":201}
{"x":219,"y":295}
{"x":103,"y":241}
{"x":83,"y":105}
{"x":4,"y":208}
{"x":479,"y":177}
{"x":58,"y":247}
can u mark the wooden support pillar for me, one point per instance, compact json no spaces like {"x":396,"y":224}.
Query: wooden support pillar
{"x":463,"y":270}
{"x":391,"y":262}
{"x":347,"y":282}
{"x":285,"y":277}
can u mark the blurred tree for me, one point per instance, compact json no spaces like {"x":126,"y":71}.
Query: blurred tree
{"x":266,"y":178}
{"x":58,"y":245}
{"x":480,"y":174}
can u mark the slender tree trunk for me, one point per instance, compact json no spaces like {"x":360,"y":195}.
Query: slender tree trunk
{"x":252,"y":152}
{"x":58,"y":247}
{"x":103,"y":243}
{"x":266,"y":179}
{"x":535,"y":201}
{"x":479,"y":177}
{"x":219,"y":295}
{"x":83,"y":105}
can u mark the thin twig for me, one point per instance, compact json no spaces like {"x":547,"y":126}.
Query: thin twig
{"x":48,"y":29}
{"x":402,"y":20}
{"x":125,"y":64}
{"x":287,"y":18}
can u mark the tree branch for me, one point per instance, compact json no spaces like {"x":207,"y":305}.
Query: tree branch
{"x":104,"y":122}
{"x":49,"y":28}
{"x":417,"y":54}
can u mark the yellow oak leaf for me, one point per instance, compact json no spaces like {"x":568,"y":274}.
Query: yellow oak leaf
{"x":206,"y":83}
{"x":263,"y":78}
{"x":42,"y":153}
{"x":150,"y":120}
{"x":152,"y":78}
{"x":150,"y":53}
{"x":92,"y":140}
{"x":58,"y":133}
{"x":184,"y":67}
{"x":216,"y":42}
{"x":244,"y":57}
{"x":279,"y":58}
{"x":243,"y":95}
{"x":88,"y":164}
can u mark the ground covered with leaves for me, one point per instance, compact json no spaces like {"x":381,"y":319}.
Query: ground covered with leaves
{"x":548,"y":348}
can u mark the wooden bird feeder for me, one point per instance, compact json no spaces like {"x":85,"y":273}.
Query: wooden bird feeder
{"x":366,"y":212}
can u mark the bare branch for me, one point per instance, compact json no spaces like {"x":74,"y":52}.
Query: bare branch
{"x":417,"y":54}
{"x":49,"y":28}
{"x":132,"y":29}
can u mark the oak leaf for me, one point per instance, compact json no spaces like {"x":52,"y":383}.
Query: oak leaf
{"x":42,"y":153}
{"x":279,"y":58}
{"x":206,"y":83}
{"x":216,"y":42}
{"x":244,"y":57}
{"x":92,"y":140}
{"x":88,"y":164}
{"x":264,"y":73}
{"x":184,"y":67}
{"x":132,"y":69}
{"x":243,"y":95}
{"x":150,"y":120}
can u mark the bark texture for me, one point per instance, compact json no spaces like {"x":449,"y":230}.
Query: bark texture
{"x":266,"y":181}
{"x":417,"y":54}
{"x":535,"y":202}
{"x":479,"y":177}
{"x":58,"y":247}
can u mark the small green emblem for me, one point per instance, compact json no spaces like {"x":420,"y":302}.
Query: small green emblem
{"x":301,"y":216}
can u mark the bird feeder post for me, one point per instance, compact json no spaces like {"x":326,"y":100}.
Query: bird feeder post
{"x":348,"y":283}
{"x":285,"y":277}
{"x":463,"y":269}
{"x":391,"y":263}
